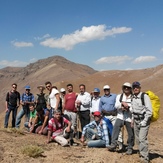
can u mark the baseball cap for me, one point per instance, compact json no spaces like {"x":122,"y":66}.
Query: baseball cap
{"x":27,"y":87}
{"x":106,"y":87}
{"x":96,"y":90}
{"x":96,"y":113}
{"x":135,"y":84}
{"x":62,"y":90}
{"x":127,"y":84}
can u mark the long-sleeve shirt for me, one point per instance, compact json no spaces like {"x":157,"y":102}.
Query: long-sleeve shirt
{"x":85,"y":99}
{"x":124,"y":115}
{"x":27,"y":97}
{"x":107,"y":103}
{"x":139,"y":109}
{"x":102,"y":130}
{"x":95,"y":104}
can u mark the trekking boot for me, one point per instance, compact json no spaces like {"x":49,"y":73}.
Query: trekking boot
{"x":112,"y":147}
{"x":129,"y":151}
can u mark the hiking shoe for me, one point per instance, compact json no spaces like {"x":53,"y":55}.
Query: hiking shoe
{"x":120,"y":146}
{"x":129,"y":151}
{"x":112,"y":147}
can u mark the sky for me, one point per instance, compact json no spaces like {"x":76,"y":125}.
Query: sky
{"x":103,"y":34}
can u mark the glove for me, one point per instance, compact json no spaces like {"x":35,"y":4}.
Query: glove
{"x":143,"y":123}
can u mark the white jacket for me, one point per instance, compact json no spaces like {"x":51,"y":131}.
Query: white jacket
{"x":124,"y":115}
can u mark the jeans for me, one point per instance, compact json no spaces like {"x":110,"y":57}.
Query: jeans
{"x":116,"y":130}
{"x":14,"y":112}
{"x":98,"y":143}
{"x":21,"y":113}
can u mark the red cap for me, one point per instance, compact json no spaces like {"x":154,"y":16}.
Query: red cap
{"x":96,"y":113}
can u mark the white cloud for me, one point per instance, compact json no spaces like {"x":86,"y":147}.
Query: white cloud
{"x":16,"y":63}
{"x":143,"y":59}
{"x":43,"y":37}
{"x":22,"y":44}
{"x":161,"y":50}
{"x":32,"y":60}
{"x":113,"y":59}
{"x":86,"y":34}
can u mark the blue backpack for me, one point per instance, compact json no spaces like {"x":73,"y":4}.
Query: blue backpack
{"x":109,"y":125}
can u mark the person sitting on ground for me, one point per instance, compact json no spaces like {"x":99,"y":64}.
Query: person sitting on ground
{"x":41,"y":121}
{"x":32,"y":109}
{"x":59,"y":129}
{"x":96,"y":132}
{"x":124,"y":117}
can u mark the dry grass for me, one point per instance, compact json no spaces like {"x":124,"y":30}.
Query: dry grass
{"x":32,"y":151}
{"x":13,"y":130}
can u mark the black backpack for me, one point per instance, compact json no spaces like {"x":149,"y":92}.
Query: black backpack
{"x":41,"y":100}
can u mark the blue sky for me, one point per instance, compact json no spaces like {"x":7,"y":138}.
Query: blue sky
{"x":103,"y":34}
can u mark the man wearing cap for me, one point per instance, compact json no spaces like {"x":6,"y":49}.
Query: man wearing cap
{"x":95,"y":101}
{"x":142,"y":114}
{"x":107,"y":104}
{"x":96,"y":132}
{"x":26,"y":99}
{"x":107,"y":107}
{"x":124,"y":117}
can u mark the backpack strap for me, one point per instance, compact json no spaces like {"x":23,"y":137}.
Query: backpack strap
{"x":121,"y":97}
{"x":142,"y":98}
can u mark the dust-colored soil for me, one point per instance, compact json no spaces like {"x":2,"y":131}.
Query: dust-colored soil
{"x":12,"y":144}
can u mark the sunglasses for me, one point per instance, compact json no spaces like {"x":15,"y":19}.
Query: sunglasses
{"x":27,"y":89}
{"x":48,"y":86}
{"x":125,"y":87}
{"x":14,"y":87}
{"x":137,"y":87}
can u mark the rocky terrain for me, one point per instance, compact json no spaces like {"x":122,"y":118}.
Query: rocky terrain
{"x":60,"y":72}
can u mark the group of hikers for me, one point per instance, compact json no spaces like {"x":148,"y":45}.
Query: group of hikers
{"x":96,"y":120}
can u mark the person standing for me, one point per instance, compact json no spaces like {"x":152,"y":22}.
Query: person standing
{"x":26,"y":99}
{"x":12,"y":103}
{"x":124,"y":117}
{"x":41,"y":98}
{"x":142,"y":115}
{"x":69,"y":108}
{"x":54,"y":98}
{"x":107,"y":108}
{"x":95,"y":102}
{"x":83,"y":102}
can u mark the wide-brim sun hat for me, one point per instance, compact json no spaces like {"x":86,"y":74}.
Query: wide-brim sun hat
{"x":40,"y":86}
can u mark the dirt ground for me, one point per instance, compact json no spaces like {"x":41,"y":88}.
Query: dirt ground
{"x":12,"y":144}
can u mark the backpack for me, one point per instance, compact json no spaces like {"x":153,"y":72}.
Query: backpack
{"x":41,"y":100}
{"x":109,"y":125}
{"x":155,"y":104}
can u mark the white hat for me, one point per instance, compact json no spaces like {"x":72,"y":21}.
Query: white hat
{"x":62,"y":90}
{"x":127,"y":84}
{"x":106,"y":87}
